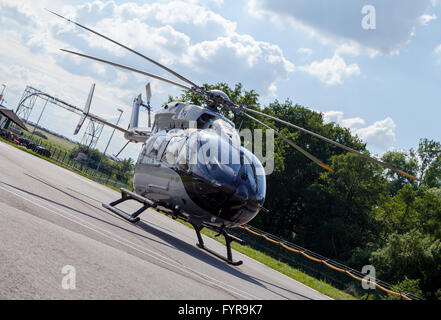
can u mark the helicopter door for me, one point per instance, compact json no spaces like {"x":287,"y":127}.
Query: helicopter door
{"x":147,"y":166}
{"x":158,"y":176}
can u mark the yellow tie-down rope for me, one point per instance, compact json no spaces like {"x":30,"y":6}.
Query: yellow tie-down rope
{"x":325,"y":263}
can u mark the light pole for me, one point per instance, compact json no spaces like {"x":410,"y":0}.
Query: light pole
{"x":110,"y":139}
{"x":1,"y":95}
{"x":38,"y":121}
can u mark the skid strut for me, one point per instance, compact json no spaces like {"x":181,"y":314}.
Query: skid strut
{"x":128,"y":195}
{"x":134,"y":217}
{"x":228,"y":239}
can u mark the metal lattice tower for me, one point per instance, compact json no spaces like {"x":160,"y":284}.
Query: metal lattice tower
{"x":27,"y":103}
{"x":92,"y":134}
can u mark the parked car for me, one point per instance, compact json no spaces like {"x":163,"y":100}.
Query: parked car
{"x":24,"y":141}
{"x":43,"y":151}
{"x":6,"y":134}
{"x":32,"y":146}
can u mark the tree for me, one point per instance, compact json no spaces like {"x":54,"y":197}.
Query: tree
{"x":124,"y":170}
{"x":399,"y":214}
{"x":429,"y":153}
{"x":412,"y":255}
{"x":406,"y":286}
{"x":432,"y":176}
{"x":338,"y":219}
{"x":403,"y":161}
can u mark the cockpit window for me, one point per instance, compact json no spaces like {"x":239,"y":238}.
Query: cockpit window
{"x":256,"y":167}
{"x":171,"y":153}
{"x":216,"y":159}
{"x":224,"y":163}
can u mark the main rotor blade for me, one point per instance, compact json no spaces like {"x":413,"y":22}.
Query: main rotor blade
{"x":127,"y":48}
{"x":127,"y":68}
{"x":304,"y":152}
{"x":381,"y":163}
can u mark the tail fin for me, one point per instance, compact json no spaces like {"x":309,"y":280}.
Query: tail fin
{"x":135,"y":114}
{"x":86,"y":109}
{"x":148,"y":94}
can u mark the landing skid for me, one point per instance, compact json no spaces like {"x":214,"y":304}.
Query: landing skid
{"x":134,"y":217}
{"x":228,"y":239}
{"x":128,"y":195}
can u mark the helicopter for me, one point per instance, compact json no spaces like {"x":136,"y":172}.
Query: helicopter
{"x":192,"y":165}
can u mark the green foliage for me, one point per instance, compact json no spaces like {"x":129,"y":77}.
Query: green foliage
{"x":124,"y":170}
{"x":339,"y":207}
{"x":403,"y":161}
{"x":406,"y":286}
{"x":429,"y":152}
{"x":119,"y":171}
{"x":414,"y":255}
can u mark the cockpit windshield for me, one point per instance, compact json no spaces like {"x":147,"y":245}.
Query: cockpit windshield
{"x":224,"y":163}
{"x":255,"y":167}
{"x":216,"y":159}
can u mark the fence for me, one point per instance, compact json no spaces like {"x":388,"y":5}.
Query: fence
{"x":332,"y":272}
{"x":63,"y":156}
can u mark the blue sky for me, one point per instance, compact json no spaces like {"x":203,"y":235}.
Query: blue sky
{"x":382,"y":83}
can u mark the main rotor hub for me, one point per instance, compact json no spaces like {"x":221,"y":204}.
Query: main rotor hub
{"x":217,"y":98}
{"x":220,"y":93}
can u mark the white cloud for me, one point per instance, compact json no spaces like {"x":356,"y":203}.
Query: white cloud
{"x":184,"y":35}
{"x":336,"y":22}
{"x":331,"y":71}
{"x":426,"y":18}
{"x":380,"y":135}
{"x":189,"y":38}
{"x":166,"y":31}
{"x":240,"y":58}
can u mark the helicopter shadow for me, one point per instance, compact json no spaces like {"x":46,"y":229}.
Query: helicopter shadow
{"x":65,"y":206}
{"x":166,"y":238}
{"x":107,"y":212}
{"x":207,"y":258}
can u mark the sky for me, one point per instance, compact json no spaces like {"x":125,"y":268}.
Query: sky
{"x":373,"y":66}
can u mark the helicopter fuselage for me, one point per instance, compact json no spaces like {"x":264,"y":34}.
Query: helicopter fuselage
{"x":201,"y":172}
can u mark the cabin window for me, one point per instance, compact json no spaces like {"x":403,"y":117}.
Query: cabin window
{"x":152,"y":149}
{"x":183,"y":156}
{"x":141,"y":155}
{"x":145,"y":158}
{"x":171,"y":153}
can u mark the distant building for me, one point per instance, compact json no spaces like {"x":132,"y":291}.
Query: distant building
{"x":8,"y":114}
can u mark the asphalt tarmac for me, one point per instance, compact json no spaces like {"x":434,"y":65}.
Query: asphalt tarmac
{"x":58,"y":242}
